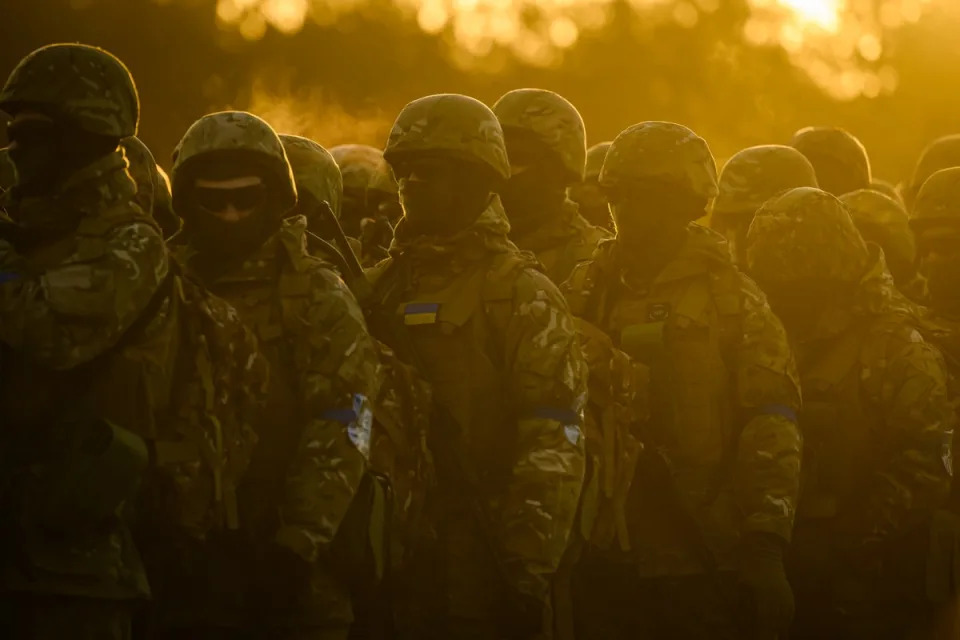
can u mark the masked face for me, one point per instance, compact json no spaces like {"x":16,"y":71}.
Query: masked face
{"x":231,"y":216}
{"x":441,"y":196}
{"x":537,"y":186}
{"x":801,"y":304}
{"x":940,"y":264}
{"x":653,"y":215}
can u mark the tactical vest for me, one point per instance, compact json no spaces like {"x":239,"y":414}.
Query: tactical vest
{"x":683,"y":331}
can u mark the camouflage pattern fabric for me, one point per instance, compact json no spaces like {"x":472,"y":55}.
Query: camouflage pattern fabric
{"x":749,"y":360}
{"x":143,"y":169}
{"x":314,"y":170}
{"x":552,"y":120}
{"x":877,"y":423}
{"x":797,"y":227}
{"x":839,"y":158}
{"x":936,"y":204}
{"x":163,"y":211}
{"x":509,"y":484}
{"x":756,"y":174}
{"x":8,"y":173}
{"x":85,"y":85}
{"x":595,"y":157}
{"x":888,"y":189}
{"x":454,"y":125}
{"x":233,"y":131}
{"x":363,"y":167}
{"x":663,"y":152}
{"x":588,"y":195}
{"x":884,"y":221}
{"x":942,"y":153}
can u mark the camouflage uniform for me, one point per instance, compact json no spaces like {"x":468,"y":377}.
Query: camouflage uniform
{"x":8,"y":175}
{"x":877,"y":426}
{"x":722,"y":457}
{"x":313,"y":449}
{"x":494,"y":338}
{"x":63,"y":312}
{"x":556,"y":233}
{"x":370,"y":206}
{"x":750,"y":178}
{"x":588,"y":195}
{"x":153,"y":188}
{"x":840,"y":160}
{"x":942,"y":153}
{"x":883,"y":221}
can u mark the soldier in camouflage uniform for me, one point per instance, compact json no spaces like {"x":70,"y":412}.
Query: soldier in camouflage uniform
{"x":883,"y":221}
{"x":750,"y":178}
{"x":370,"y":206}
{"x":840,"y":160}
{"x":88,"y":308}
{"x":877,"y":426}
{"x":711,"y":509}
{"x":234,"y":188}
{"x":546,"y":141}
{"x":942,"y":153}
{"x":8,"y":174}
{"x":153,"y":188}
{"x":495,"y":339}
{"x":588,"y":195}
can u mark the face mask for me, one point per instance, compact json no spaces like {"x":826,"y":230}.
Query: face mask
{"x":531,"y":198}
{"x":442,"y":197}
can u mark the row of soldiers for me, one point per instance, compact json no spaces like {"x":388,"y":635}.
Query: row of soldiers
{"x":513,"y":423}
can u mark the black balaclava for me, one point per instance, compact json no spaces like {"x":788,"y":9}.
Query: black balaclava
{"x":442,"y":196}
{"x":534,"y":195}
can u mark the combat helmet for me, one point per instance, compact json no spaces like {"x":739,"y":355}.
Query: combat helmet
{"x":938,"y":202}
{"x":314,"y":170}
{"x":233,"y":132}
{"x":831,"y":148}
{"x":595,"y":157}
{"x":883,"y":220}
{"x":449,"y":125}
{"x":552,"y":120}
{"x":661,"y":152}
{"x":756,"y":174}
{"x":805,"y":234}
{"x":942,"y":153}
{"x":84,"y":85}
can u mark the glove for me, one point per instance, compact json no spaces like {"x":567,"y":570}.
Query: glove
{"x":767,"y":597}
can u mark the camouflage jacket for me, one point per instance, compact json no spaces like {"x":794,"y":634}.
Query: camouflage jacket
{"x":64,"y":306}
{"x":495,"y":339}
{"x":724,"y":392}
{"x":561,"y":243}
{"x":304,"y":313}
{"x":877,"y":419}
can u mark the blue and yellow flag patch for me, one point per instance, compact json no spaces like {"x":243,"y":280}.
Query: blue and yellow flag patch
{"x":416,"y":313}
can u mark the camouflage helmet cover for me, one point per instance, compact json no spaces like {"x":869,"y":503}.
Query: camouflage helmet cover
{"x":314,"y":170}
{"x":837,"y":144}
{"x":756,"y":174}
{"x":942,"y":153}
{"x":938,"y":201}
{"x":233,"y":131}
{"x":663,"y":152}
{"x":85,"y":85}
{"x":805,"y":234}
{"x":552,"y":119}
{"x":595,"y":157}
{"x":884,"y":220}
{"x":450,"y":125}
{"x":363,"y":167}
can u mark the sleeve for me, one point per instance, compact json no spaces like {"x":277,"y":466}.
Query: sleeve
{"x":72,"y":312}
{"x":548,"y":377}
{"x":769,"y":447}
{"x":336,"y":363}
{"x":916,"y":474}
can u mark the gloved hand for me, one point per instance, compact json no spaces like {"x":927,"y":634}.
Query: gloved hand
{"x":768,"y":599}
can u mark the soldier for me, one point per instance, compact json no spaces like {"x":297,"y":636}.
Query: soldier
{"x":546,"y":141}
{"x":877,"y":425}
{"x":153,"y":190}
{"x":839,"y":158}
{"x":234,"y":188}
{"x":883,"y":221}
{"x":712,"y":504}
{"x":370,"y":206}
{"x":102,"y":348}
{"x":8,"y":174}
{"x":494,"y":338}
{"x":942,"y":153}
{"x":750,"y":178}
{"x":588,"y":195}
{"x":936,"y":223}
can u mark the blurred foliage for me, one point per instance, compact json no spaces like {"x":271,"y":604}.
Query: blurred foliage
{"x":739,"y":72}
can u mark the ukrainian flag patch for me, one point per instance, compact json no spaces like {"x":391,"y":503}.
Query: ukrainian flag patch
{"x":416,"y":313}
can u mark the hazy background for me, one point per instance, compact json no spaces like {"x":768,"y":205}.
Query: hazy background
{"x":739,"y":72}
